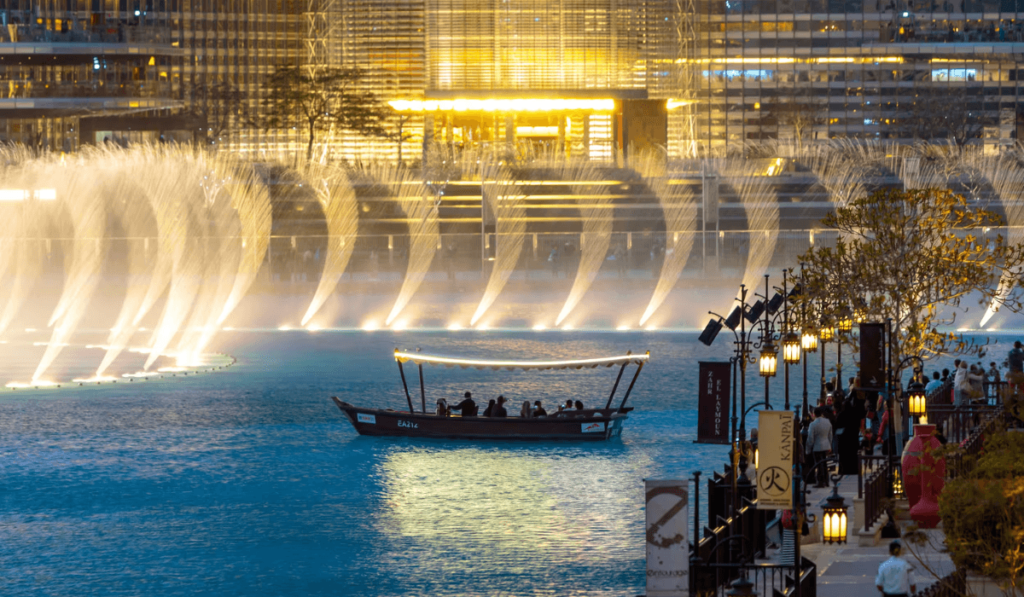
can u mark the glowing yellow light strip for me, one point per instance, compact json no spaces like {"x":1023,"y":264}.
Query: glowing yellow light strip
{"x":24,"y":195}
{"x":547,"y":131}
{"x":421,"y":358}
{"x":673,"y":103}
{"x":503,"y":105}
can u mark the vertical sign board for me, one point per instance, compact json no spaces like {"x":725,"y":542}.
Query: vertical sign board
{"x":872,"y":356}
{"x":668,"y":544}
{"x":775,"y":444}
{"x":713,"y":403}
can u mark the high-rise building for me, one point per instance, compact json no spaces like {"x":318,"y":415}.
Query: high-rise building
{"x":797,"y":71}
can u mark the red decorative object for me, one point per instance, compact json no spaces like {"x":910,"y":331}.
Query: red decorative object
{"x":923,"y":476}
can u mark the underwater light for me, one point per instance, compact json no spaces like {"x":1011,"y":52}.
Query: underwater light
{"x":94,"y":379}
{"x":284,"y":328}
{"x":171,"y":369}
{"x":313,"y":328}
{"x":141,"y":374}
{"x":567,"y":327}
{"x":400,"y":325}
{"x":622,"y":328}
{"x":454,"y":327}
{"x":540,"y":327}
{"x":370,"y":326}
{"x":483,"y":327}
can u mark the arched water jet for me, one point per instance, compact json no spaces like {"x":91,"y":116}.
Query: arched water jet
{"x":679,"y":205}
{"x":504,"y":198}
{"x":420,"y":211}
{"x":251,"y":199}
{"x":1006,"y":176}
{"x":222,"y":263}
{"x":183,"y":241}
{"x":158,"y":175}
{"x":87,"y":213}
{"x":597,"y":228}
{"x":338,"y":201}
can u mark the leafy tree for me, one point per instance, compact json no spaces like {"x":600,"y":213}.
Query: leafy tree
{"x":912,"y":256}
{"x":322,"y":99}
{"x":983,"y":514}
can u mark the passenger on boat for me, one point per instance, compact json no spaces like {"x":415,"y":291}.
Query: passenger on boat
{"x":579,"y":405}
{"x":489,"y":411}
{"x":499,"y":408}
{"x":568,"y":404}
{"x":467,"y":407}
{"x":442,"y":407}
{"x":538,"y":410}
{"x":526,"y":412}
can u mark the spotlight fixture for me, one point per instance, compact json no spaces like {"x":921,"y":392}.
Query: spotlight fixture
{"x":755,"y":311}
{"x":733,"y":319}
{"x":710,"y":332}
{"x":775,"y":303}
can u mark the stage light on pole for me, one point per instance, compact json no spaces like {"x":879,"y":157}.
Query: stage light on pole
{"x":769,"y":360}
{"x":755,"y":311}
{"x":710,"y":332}
{"x":733,"y":319}
{"x":791,"y":348}
{"x":809,"y":340}
{"x":775,"y":303}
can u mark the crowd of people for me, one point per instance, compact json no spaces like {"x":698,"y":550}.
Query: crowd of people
{"x":496,"y":408}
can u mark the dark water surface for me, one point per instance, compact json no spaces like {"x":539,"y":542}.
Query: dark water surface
{"x":249,"y":482}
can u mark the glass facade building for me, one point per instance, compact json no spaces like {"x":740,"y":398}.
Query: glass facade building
{"x":902,"y":70}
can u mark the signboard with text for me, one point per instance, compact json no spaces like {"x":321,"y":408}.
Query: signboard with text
{"x":668,"y":545}
{"x":775,"y":446}
{"x":872,"y":356}
{"x":713,"y":403}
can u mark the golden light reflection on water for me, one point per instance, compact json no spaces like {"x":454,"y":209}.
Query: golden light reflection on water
{"x":512,"y":507}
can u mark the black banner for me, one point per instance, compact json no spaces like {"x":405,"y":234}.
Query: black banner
{"x":872,"y":356}
{"x":713,"y":403}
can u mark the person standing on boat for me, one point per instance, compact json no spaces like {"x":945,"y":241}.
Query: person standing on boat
{"x":467,"y":407}
{"x":499,"y":408}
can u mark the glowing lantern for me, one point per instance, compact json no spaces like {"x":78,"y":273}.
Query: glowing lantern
{"x":791,"y":348}
{"x":769,"y":360}
{"x":809,"y":340}
{"x":834,"y":518}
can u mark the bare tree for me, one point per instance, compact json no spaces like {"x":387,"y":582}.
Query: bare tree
{"x":937,"y":113}
{"x":802,"y":113}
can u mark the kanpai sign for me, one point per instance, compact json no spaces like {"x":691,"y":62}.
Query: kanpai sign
{"x":713,"y":403}
{"x":775,"y":460}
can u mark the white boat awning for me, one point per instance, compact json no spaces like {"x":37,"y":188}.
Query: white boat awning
{"x":424,"y":359}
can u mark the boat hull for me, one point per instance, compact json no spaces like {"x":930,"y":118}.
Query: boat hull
{"x":594,"y":425}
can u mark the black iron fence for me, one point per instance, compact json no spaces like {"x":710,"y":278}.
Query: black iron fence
{"x":954,"y":585}
{"x":767,"y":579}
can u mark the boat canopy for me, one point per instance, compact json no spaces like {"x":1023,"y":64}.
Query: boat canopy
{"x":423,"y":359}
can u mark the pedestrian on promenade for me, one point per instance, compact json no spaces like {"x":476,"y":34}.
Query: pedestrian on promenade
{"x":819,"y":444}
{"x":895,"y":576}
{"x":1015,"y":364}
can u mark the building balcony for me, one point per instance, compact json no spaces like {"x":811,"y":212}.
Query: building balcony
{"x":21,"y":44}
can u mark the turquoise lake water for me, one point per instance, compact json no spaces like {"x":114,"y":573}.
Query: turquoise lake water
{"x":249,"y":481}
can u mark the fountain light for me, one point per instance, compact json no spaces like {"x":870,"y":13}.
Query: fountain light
{"x":141,"y":374}
{"x":483,"y":327}
{"x":313,"y":327}
{"x":400,"y":325}
{"x":172,"y":369}
{"x":95,"y":379}
{"x":370,"y":326}
{"x":30,"y":330}
{"x":651,"y":328}
{"x":567,"y":327}
{"x":229,"y":329}
{"x":622,"y":328}
{"x":284,"y":328}
{"x":454,"y":327}
{"x":539,"y":327}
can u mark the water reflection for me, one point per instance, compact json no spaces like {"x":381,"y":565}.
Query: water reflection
{"x":556,"y":504}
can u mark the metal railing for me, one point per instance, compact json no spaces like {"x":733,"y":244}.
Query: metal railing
{"x":767,"y":579}
{"x":953,"y":585}
{"x":874,"y":489}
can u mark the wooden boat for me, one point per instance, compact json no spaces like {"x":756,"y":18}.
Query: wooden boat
{"x":584,"y":425}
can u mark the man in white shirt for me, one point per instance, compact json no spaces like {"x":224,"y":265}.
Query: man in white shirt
{"x":819,"y":444}
{"x":895,"y":576}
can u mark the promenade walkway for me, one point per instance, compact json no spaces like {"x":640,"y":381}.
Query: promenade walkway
{"x":849,"y":570}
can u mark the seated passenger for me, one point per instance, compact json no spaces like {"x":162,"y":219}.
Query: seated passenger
{"x":538,"y":410}
{"x":499,"y":408}
{"x":579,"y":405}
{"x":526,"y":412}
{"x":442,"y":408}
{"x":568,"y":404}
{"x":467,"y":407}
{"x":489,"y":411}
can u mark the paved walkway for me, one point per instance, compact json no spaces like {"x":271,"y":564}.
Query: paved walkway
{"x":849,"y":570}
